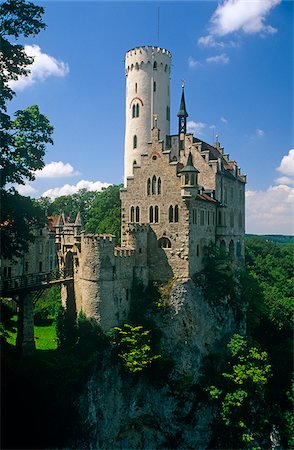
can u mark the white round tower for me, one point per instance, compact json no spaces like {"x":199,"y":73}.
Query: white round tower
{"x":147,"y":100}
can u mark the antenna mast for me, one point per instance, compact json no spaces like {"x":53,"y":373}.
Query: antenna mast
{"x":158,"y":26}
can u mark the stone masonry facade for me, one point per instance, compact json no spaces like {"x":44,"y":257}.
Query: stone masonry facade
{"x":182,"y":195}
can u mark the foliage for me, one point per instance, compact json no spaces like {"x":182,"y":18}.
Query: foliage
{"x":104,"y":215}
{"x":46,"y":307}
{"x":218,"y":278}
{"x":240,"y":396}
{"x":133,"y":347}
{"x":23,"y":140}
{"x":277,"y":238}
{"x":270,"y":317}
{"x":81,"y":202}
{"x":18,"y":18}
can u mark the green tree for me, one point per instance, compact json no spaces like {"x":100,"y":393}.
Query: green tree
{"x":23,"y":139}
{"x":104,"y":216}
{"x":81,"y":202}
{"x":243,"y":420}
{"x":133,"y":347}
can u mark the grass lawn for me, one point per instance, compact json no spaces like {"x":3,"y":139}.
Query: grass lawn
{"x":45,"y":336}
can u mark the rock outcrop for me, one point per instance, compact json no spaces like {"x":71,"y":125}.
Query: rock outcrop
{"x":124,"y":411}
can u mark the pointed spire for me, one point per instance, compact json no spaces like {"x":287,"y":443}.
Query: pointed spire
{"x":182,"y":115}
{"x":78,"y":221}
{"x":182,"y":111}
{"x":59,"y":222}
{"x":189,"y":167}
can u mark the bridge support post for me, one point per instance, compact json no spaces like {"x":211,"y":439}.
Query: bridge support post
{"x":25,"y":341}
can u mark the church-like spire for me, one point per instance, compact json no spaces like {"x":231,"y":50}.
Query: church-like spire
{"x":182,"y":114}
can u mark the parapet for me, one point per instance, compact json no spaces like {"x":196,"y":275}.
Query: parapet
{"x":124,"y":251}
{"x":139,"y":56}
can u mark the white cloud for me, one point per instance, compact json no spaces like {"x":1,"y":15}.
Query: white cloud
{"x":193,"y":62}
{"x":210,"y":41}
{"x":69,"y":189}
{"x":25,"y":189}
{"x":259,"y":132}
{"x":195,"y":127}
{"x":287,"y":164}
{"x":285,"y":180}
{"x":43,"y":67}
{"x":236,"y":15}
{"x":270,"y":211}
{"x":56,"y":169}
{"x":224,"y":120}
{"x":223,"y":59}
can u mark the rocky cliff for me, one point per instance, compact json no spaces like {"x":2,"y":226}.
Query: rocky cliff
{"x":124,"y":411}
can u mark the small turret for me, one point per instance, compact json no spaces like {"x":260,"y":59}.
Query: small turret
{"x":78,"y":225}
{"x":189,"y":174}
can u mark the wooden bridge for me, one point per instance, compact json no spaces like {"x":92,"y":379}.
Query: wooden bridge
{"x":33,"y":282}
{"x":26,"y":290}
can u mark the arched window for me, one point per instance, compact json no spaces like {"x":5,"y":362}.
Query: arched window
{"x":151,"y":214}
{"x":137,"y":214}
{"x":135,"y":143}
{"x":232,"y":219}
{"x":155,"y":65}
{"x":154,"y":86}
{"x":134,"y":110}
{"x":132,"y":214}
{"x":154,"y":184}
{"x":171,"y":214}
{"x":164,"y":242}
{"x":240,"y":220}
{"x":148,"y":186}
{"x":156,"y":214}
{"x":137,"y":109}
{"x":137,"y":66}
{"x":231,"y":249}
{"x":226,"y":195}
{"x":159,"y":186}
{"x":176,"y":213}
{"x":134,"y":163}
{"x":239,"y":249}
{"x":223,"y":245}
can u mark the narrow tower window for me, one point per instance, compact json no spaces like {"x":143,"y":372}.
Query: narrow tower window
{"x":156,"y":215}
{"x":132,"y":214}
{"x":151,"y":214}
{"x":240,"y":220}
{"x":134,"y":111}
{"x":171,"y":214}
{"x":148,"y":186}
{"x":137,"y":214}
{"x":154,"y":86}
{"x":154,"y":184}
{"x":167,"y":113}
{"x":137,"y":110}
{"x":135,"y":141}
{"x":159,"y":186}
{"x":176,"y":213}
{"x":155,"y":65}
{"x":232,"y":219}
{"x":136,"y":87}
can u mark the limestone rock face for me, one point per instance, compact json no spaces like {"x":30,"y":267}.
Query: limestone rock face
{"x":122,"y":411}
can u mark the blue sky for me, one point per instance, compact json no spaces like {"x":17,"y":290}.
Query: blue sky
{"x":236,"y":59}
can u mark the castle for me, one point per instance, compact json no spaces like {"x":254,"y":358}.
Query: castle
{"x":180,"y":194}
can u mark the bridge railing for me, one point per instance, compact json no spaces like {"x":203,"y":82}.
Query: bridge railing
{"x":33,"y":279}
